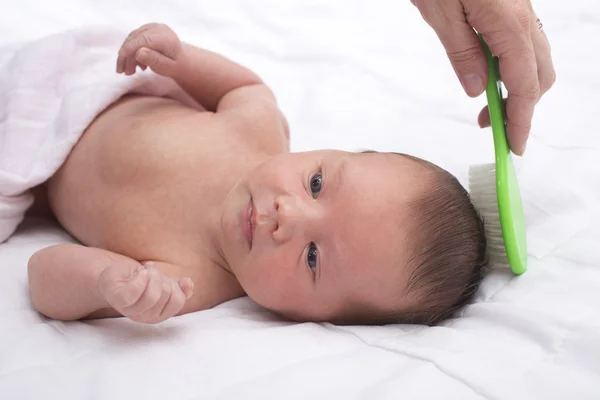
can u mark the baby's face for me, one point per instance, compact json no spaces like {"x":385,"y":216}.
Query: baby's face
{"x":311,"y":235}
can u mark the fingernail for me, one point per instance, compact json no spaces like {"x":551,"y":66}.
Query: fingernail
{"x":518,"y":150}
{"x":141,"y":272}
{"x":473,"y":84}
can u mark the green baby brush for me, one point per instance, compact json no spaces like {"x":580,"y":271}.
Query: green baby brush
{"x":495,"y":189}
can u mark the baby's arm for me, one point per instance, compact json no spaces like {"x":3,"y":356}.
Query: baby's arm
{"x":208,"y":77}
{"x":205,"y":75}
{"x":71,"y":281}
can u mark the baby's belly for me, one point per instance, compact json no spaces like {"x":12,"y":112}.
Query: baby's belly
{"x":118,"y":189}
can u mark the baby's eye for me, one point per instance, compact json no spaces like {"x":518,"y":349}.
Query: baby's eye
{"x":315,"y":185}
{"x":311,"y":256}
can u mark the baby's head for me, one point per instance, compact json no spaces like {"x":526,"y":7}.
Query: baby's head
{"x":354,"y":238}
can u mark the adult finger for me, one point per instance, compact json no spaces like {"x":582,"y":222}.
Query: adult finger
{"x":523,"y":94}
{"x":506,"y":28}
{"x":448,"y":20}
{"x":543,"y":56}
{"x":545,"y":67}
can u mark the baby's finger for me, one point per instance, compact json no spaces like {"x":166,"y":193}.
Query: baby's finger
{"x":127,"y":48}
{"x":152,"y":315}
{"x":175,"y":303}
{"x":150,"y":39}
{"x":120,"y":64}
{"x":150,"y":296}
{"x":126,"y":51}
{"x":142,"y":66}
{"x":187,"y":286}
{"x":130,"y":65}
{"x":144,"y":28}
{"x":156,"y":61}
{"x":126,"y":57}
{"x":126,"y":293}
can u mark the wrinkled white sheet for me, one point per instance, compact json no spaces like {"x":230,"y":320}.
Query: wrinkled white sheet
{"x":349,"y":75}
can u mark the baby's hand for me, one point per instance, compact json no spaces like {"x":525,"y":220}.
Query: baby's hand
{"x":143,"y":293}
{"x":152,"y":45}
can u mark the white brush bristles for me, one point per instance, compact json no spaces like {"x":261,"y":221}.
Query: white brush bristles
{"x":482,"y":188}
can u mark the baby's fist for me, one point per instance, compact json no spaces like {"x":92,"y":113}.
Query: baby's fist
{"x":152,"y":45}
{"x":144,"y":294}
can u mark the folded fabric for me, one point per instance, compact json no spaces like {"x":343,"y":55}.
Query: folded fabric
{"x":51,"y":89}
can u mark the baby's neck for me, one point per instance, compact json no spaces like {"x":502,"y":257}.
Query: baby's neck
{"x":213,"y":237}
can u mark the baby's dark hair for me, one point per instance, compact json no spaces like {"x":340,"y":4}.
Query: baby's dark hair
{"x":447,"y":248}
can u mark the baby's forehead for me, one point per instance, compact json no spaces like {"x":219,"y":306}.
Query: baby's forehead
{"x":397,"y":179}
{"x":397,"y":162}
{"x":375,"y":208}
{"x":377,"y":215}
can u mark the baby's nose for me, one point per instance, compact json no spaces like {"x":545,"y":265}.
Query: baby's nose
{"x":295,"y":216}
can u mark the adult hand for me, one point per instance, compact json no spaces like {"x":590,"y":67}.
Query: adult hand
{"x":513,"y":32}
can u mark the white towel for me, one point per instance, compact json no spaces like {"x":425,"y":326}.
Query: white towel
{"x":50,"y":90}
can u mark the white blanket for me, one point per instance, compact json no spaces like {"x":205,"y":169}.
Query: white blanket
{"x":50,"y":91}
{"x":348,"y":75}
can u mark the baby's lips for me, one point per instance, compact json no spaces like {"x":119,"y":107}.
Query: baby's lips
{"x":187,"y":286}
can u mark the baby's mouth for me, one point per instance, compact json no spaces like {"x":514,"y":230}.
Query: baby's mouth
{"x":248,"y":225}
{"x":251,"y":221}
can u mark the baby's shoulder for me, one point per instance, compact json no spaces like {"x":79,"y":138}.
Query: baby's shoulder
{"x":252,"y":112}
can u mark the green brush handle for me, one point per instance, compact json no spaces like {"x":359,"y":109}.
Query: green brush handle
{"x":510,"y":208}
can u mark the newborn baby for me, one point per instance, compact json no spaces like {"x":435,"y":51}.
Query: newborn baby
{"x":179,"y":210}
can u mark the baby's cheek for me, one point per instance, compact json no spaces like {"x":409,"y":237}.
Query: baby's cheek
{"x":274,"y":280}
